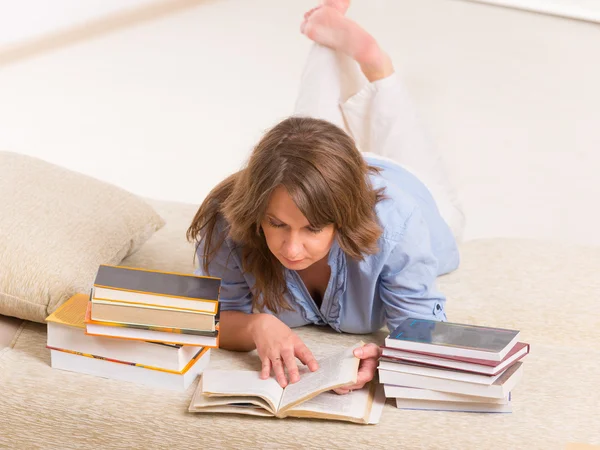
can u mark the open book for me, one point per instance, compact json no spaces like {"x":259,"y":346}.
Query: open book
{"x":243,"y":392}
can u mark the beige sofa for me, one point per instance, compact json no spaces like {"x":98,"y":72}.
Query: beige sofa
{"x":549,"y":291}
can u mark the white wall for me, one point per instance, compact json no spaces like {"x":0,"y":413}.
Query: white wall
{"x":578,"y":9}
{"x":167,"y":109}
{"x":25,"y":20}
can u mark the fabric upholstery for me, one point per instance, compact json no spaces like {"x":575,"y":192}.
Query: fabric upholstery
{"x":549,"y":291}
{"x":56,"y":227}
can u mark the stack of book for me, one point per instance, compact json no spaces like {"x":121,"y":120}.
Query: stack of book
{"x":149,"y":327}
{"x":445,"y":366}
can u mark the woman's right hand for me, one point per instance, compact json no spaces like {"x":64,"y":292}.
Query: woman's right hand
{"x":278,"y":347}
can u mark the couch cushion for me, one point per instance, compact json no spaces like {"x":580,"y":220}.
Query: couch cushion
{"x":547,"y":290}
{"x":168,"y":248}
{"x":56,"y":228}
{"x":556,"y":402}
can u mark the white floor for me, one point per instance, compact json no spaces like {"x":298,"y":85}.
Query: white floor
{"x":167,"y":108}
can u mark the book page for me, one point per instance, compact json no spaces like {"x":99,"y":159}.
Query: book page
{"x":255,"y":411}
{"x":203,"y":402}
{"x":336,"y":370}
{"x":356,"y":404}
{"x":377,"y":405}
{"x":241,"y":383}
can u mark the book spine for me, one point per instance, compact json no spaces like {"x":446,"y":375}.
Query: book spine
{"x":158,"y":282}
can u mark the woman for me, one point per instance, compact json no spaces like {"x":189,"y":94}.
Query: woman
{"x":314,"y":232}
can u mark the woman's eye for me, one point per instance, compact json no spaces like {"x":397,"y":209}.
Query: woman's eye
{"x":274,"y":224}
{"x":315,"y":230}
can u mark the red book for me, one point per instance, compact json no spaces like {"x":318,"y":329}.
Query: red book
{"x":464,"y":364}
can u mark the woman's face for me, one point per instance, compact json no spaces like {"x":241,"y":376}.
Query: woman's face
{"x":290,"y":236}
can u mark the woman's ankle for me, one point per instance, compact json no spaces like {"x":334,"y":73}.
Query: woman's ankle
{"x":377,"y":65}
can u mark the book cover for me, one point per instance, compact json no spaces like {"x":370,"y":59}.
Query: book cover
{"x":71,"y":313}
{"x":452,"y":339}
{"x":157,"y":282}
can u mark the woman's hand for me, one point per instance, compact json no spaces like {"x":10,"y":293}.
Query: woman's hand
{"x":278,"y":347}
{"x":369,"y":356}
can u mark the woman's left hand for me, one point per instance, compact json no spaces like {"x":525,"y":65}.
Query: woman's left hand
{"x":369,"y":356}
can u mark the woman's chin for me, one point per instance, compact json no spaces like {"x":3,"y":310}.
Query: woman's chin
{"x":298,"y":264}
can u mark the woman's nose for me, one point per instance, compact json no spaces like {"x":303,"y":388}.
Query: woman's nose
{"x":292,"y":246}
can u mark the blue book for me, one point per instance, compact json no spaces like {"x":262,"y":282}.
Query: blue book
{"x":452,"y":339}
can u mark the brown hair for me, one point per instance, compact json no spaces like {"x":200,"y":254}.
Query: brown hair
{"x":326,"y":176}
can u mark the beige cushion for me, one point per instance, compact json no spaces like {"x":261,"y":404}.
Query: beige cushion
{"x":56,"y":228}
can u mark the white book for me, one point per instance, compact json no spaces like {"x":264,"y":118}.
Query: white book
{"x":143,"y":299}
{"x":438,"y":372}
{"x":130,"y":373}
{"x":153,"y":287}
{"x":432,"y":405}
{"x":66,"y":331}
{"x":162,"y":356}
{"x":140,"y":334}
{"x":409,"y":393}
{"x":452,"y":339}
{"x":499,"y":389}
{"x":467,"y":365}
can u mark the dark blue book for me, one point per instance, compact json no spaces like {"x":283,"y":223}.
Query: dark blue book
{"x":452,"y":339}
{"x":144,"y":287}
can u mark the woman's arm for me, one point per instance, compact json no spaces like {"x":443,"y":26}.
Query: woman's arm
{"x":235,"y":331}
{"x":407,"y":283}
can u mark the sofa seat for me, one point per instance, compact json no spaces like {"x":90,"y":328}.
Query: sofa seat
{"x":549,"y":291}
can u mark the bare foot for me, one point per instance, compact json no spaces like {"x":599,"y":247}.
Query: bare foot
{"x":309,"y":12}
{"x":327,"y":26}
{"x":340,"y":5}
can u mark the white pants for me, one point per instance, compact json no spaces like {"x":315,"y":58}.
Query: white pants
{"x":381,"y":119}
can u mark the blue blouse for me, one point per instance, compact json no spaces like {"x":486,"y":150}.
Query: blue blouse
{"x":362,"y":296}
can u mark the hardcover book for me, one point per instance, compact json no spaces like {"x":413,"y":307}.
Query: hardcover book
{"x":474,"y":365}
{"x":150,"y":333}
{"x":500,"y":388}
{"x":127,"y":313}
{"x":151,"y":287}
{"x":454,"y":339}
{"x":66,"y":331}
{"x":431,"y":405}
{"x":129,"y":371}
